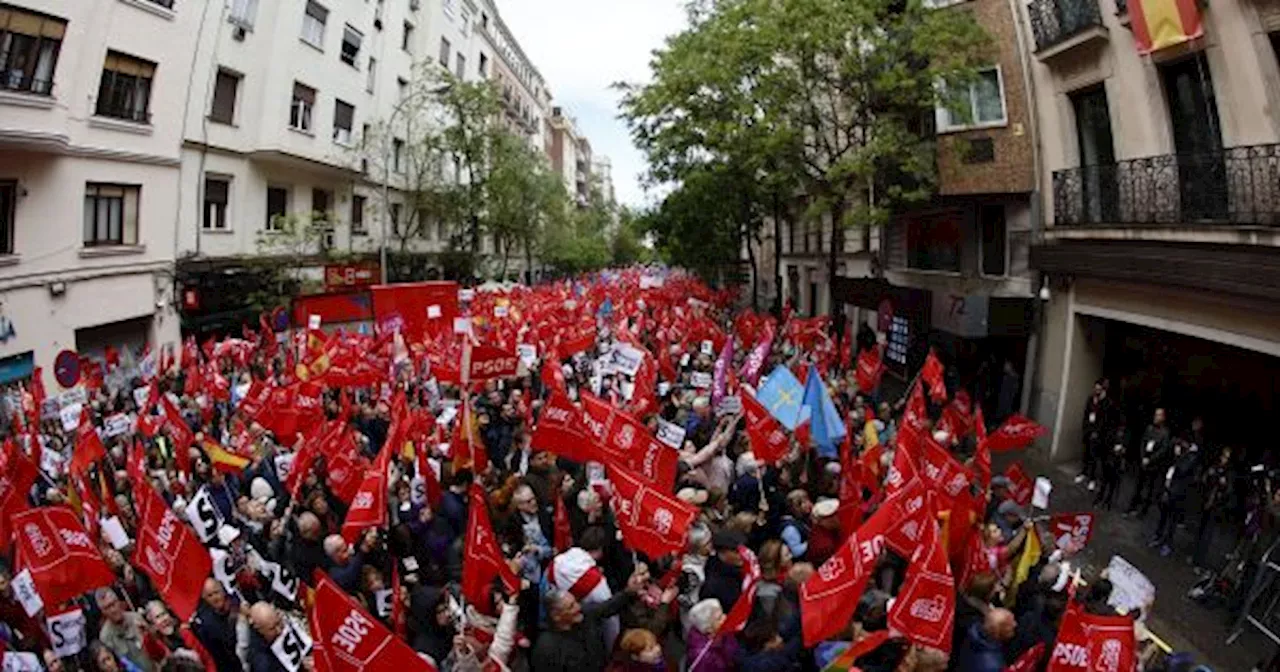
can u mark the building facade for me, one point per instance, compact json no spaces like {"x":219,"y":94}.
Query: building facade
{"x":91,"y":121}
{"x":1161,"y":259}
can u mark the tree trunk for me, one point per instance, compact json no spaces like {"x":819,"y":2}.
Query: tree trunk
{"x":506,"y":254}
{"x":755,"y":272}
{"x":528,"y":263}
{"x":777,"y":257}
{"x":837,"y":243}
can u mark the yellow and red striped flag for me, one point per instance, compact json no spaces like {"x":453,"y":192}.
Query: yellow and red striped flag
{"x":1158,"y":24}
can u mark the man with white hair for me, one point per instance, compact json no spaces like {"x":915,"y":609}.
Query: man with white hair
{"x":694,"y":567}
{"x":344,"y":566}
{"x":577,"y":572}
{"x":573,"y":640}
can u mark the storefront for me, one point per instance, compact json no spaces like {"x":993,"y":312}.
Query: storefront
{"x":901,"y":314}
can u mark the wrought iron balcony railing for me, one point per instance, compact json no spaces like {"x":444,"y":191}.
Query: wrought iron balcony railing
{"x":1234,"y":186}
{"x":1056,"y":21}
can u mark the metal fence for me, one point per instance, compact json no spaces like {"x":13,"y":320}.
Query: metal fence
{"x":1055,"y":21}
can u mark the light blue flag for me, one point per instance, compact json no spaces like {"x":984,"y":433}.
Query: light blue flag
{"x":825,"y":425}
{"x":782,"y":395}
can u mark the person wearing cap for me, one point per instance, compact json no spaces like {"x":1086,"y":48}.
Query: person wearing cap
{"x":824,"y":536}
{"x":723,"y":574}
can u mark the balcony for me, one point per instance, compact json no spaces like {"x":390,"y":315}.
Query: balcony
{"x":1061,"y":26}
{"x":1238,"y":186}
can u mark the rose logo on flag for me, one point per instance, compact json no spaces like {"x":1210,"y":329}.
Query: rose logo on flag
{"x":626,"y":434}
{"x":930,"y":610}
{"x":157,"y":561}
{"x":662,"y":520}
{"x":912,"y":530}
{"x":1109,"y":661}
{"x":832,"y":568}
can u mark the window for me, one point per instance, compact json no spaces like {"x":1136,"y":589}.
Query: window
{"x":225,"y":88}
{"x":313,"y":25}
{"x":395,"y":218}
{"x":243,"y":13}
{"x":216,"y":192}
{"x":406,"y":41}
{"x":125,"y":90}
{"x":8,"y":211}
{"x":343,"y":121}
{"x":373,"y":75}
{"x":321,"y":200}
{"x":448,"y":6}
{"x":461,"y":66}
{"x":444,"y":52}
{"x":351,"y":39}
{"x":29,"y":46}
{"x":981,"y":106}
{"x":397,"y":154}
{"x":934,"y":240}
{"x":484,"y":65}
{"x":402,"y":88}
{"x":277,"y":206}
{"x":357,"y":216}
{"x":994,"y":239}
{"x":110,"y":214}
{"x":484,"y":20}
{"x":304,"y":100}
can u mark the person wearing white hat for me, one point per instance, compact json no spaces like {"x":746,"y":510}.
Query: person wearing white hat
{"x":825,"y":536}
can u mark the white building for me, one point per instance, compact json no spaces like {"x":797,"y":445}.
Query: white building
{"x":91,"y":100}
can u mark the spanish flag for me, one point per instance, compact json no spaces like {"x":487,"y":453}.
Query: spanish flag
{"x":1158,"y":24}
{"x":224,"y":460}
{"x":1030,"y":556}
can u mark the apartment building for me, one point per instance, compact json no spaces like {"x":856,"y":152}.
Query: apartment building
{"x":570,"y":154}
{"x":91,"y":120}
{"x":1161,"y":258}
{"x":303,"y":110}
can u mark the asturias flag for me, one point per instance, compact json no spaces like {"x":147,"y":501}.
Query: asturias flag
{"x":782,"y":395}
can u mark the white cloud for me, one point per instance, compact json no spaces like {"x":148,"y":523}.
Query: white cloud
{"x":582,"y":47}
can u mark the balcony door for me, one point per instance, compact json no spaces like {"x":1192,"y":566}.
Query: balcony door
{"x":1097,"y":156}
{"x":1197,"y":138}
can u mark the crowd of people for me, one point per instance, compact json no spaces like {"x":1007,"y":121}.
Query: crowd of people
{"x":348,"y":487}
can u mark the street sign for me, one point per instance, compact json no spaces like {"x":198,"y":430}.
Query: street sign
{"x":66,"y":368}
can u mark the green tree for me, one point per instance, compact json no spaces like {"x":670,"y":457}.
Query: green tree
{"x":627,"y":247}
{"x":524,"y":193}
{"x":576,"y":239}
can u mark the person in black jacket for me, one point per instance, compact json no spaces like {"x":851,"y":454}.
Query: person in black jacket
{"x":215,"y":626}
{"x":1155,"y":457}
{"x":1095,"y":428}
{"x":1112,"y":467}
{"x":1216,"y":494}
{"x":723,"y":578}
{"x":574,"y":639}
{"x":1173,"y":497}
{"x":268,"y":625}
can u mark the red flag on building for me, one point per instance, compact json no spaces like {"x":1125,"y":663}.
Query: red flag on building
{"x":63,"y":560}
{"x":829,"y":598}
{"x":1015,"y":434}
{"x":932,"y":374}
{"x":88,"y":448}
{"x":1159,"y":24}
{"x":483,"y":560}
{"x":769,"y":441}
{"x":926,"y":606}
{"x":348,"y":639}
{"x":170,"y":554}
{"x":870,"y":369}
{"x":736,"y":620}
{"x":652,"y":521}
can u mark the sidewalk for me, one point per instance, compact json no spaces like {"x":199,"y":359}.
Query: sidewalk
{"x":1181,"y":623}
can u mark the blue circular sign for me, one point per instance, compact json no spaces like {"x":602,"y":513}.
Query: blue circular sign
{"x":66,"y":368}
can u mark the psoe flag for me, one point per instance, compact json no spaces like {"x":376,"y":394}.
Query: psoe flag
{"x":1158,"y":24}
{"x":782,"y":394}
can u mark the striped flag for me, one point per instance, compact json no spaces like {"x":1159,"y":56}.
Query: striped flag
{"x":1158,"y":24}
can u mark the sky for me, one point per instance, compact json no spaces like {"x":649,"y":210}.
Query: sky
{"x":582,"y":47}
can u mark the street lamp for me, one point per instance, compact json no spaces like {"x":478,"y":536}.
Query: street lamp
{"x":387,"y":141}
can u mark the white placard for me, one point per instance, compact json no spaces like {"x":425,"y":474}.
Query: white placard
{"x":313,"y":321}
{"x":49,"y":409}
{"x":140,"y":395}
{"x":670,"y":433}
{"x":501,"y":311}
{"x":21,"y":662}
{"x":291,"y":647}
{"x":75,"y":395}
{"x":383,"y":598}
{"x":51,"y":462}
{"x":203,"y":515}
{"x":701,"y":380}
{"x":447,"y":415}
{"x":461,"y":325}
{"x":116,"y":425}
{"x":283,"y":581}
{"x":466,"y":294}
{"x":1131,"y":589}
{"x":626,"y":358}
{"x":528,"y":353}
{"x":70,"y":415}
{"x":434,"y":312}
{"x":1040,"y":497}
{"x":114,"y":531}
{"x":663,"y":387}
{"x":284,"y":463}
{"x":707,"y":348}
{"x":24,"y":588}
{"x":66,"y":631}
{"x":684,"y":360}
{"x":730,"y":406}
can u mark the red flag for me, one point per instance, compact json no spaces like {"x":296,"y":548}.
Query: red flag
{"x":348,"y":639}
{"x":769,"y":443}
{"x":1020,"y":486}
{"x":563,"y":533}
{"x":369,"y":506}
{"x":736,"y":620}
{"x":17,"y":475}
{"x":926,"y":606}
{"x":346,"y":468}
{"x":398,"y":621}
{"x":37,"y":395}
{"x":1015,"y":434}
{"x":181,"y":434}
{"x":483,"y":362}
{"x":88,"y":449}
{"x":561,"y":430}
{"x":112,"y":357}
{"x":483,"y":560}
{"x":932,"y":373}
{"x":431,"y":482}
{"x":829,"y":598}
{"x":628,"y":442}
{"x":870,"y":370}
{"x":901,"y":473}
{"x":851,"y":479}
{"x":982,"y":458}
{"x":913,"y":514}
{"x":1071,"y":531}
{"x":170,"y":554}
{"x":63,"y":560}
{"x":1028,"y":661}
{"x":552,"y":375}
{"x":652,"y":521}
{"x":916,"y":412}
{"x":1089,"y":642}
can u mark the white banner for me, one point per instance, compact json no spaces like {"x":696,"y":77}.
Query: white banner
{"x":49,"y":408}
{"x":140,"y":396}
{"x":701,"y":380}
{"x":291,"y":646}
{"x":670,"y":433}
{"x":75,"y":395}
{"x":116,"y":425}
{"x":70,"y":415}
{"x":24,"y":588}
{"x":528,"y":353}
{"x":203,"y":515}
{"x":66,"y":631}
{"x":730,"y":406}
{"x":115,"y":533}
{"x":627,"y":359}
{"x":1131,"y":589}
{"x":707,"y":348}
